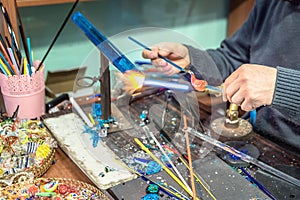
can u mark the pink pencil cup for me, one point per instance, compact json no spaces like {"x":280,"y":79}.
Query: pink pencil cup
{"x":26,"y":91}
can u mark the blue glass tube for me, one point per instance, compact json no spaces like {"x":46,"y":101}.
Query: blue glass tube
{"x":119,"y":60}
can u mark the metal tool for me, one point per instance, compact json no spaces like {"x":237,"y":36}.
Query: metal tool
{"x":232,"y":126}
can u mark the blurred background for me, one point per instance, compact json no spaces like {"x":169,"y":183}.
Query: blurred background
{"x":204,"y":22}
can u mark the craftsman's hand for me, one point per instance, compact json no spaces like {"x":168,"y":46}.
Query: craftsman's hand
{"x":250,"y":86}
{"x":175,"y":52}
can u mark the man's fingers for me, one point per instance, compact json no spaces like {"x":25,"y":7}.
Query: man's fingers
{"x":237,"y":98}
{"x":230,"y":87}
{"x":248,"y":105}
{"x":149,"y":54}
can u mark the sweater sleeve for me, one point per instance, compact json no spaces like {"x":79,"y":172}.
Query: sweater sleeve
{"x":232,"y":53}
{"x":287,"y":92}
{"x":203,"y":66}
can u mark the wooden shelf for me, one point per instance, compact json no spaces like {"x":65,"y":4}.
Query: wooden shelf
{"x":25,"y":3}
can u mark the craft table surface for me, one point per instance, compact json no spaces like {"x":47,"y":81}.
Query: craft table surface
{"x":64,"y":167}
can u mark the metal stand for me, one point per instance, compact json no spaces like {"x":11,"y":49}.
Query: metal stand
{"x":109,"y":109}
{"x":105,"y":87}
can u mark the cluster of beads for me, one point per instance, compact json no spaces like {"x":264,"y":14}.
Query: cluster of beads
{"x":23,"y":144}
{"x":49,"y":189}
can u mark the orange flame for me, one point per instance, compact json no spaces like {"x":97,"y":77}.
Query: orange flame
{"x":133,"y":80}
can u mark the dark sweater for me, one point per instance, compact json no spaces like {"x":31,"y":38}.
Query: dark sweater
{"x":271,"y":37}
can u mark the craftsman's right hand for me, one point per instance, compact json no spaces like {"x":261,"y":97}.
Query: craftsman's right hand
{"x":250,"y":86}
{"x":175,"y":52}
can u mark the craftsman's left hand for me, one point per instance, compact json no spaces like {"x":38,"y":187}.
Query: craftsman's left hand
{"x":250,"y":86}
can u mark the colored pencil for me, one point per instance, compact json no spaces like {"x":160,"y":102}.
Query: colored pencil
{"x":22,"y":33}
{"x":15,"y":65}
{"x":25,"y":68}
{"x":29,"y":57}
{"x":2,"y":41}
{"x":4,"y":68}
{"x":7,"y":64}
{"x":5,"y":54}
{"x":14,"y":42}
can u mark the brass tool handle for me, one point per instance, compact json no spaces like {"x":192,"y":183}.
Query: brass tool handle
{"x":233,"y":112}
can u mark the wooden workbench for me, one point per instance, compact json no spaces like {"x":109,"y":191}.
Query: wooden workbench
{"x":64,"y":167}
